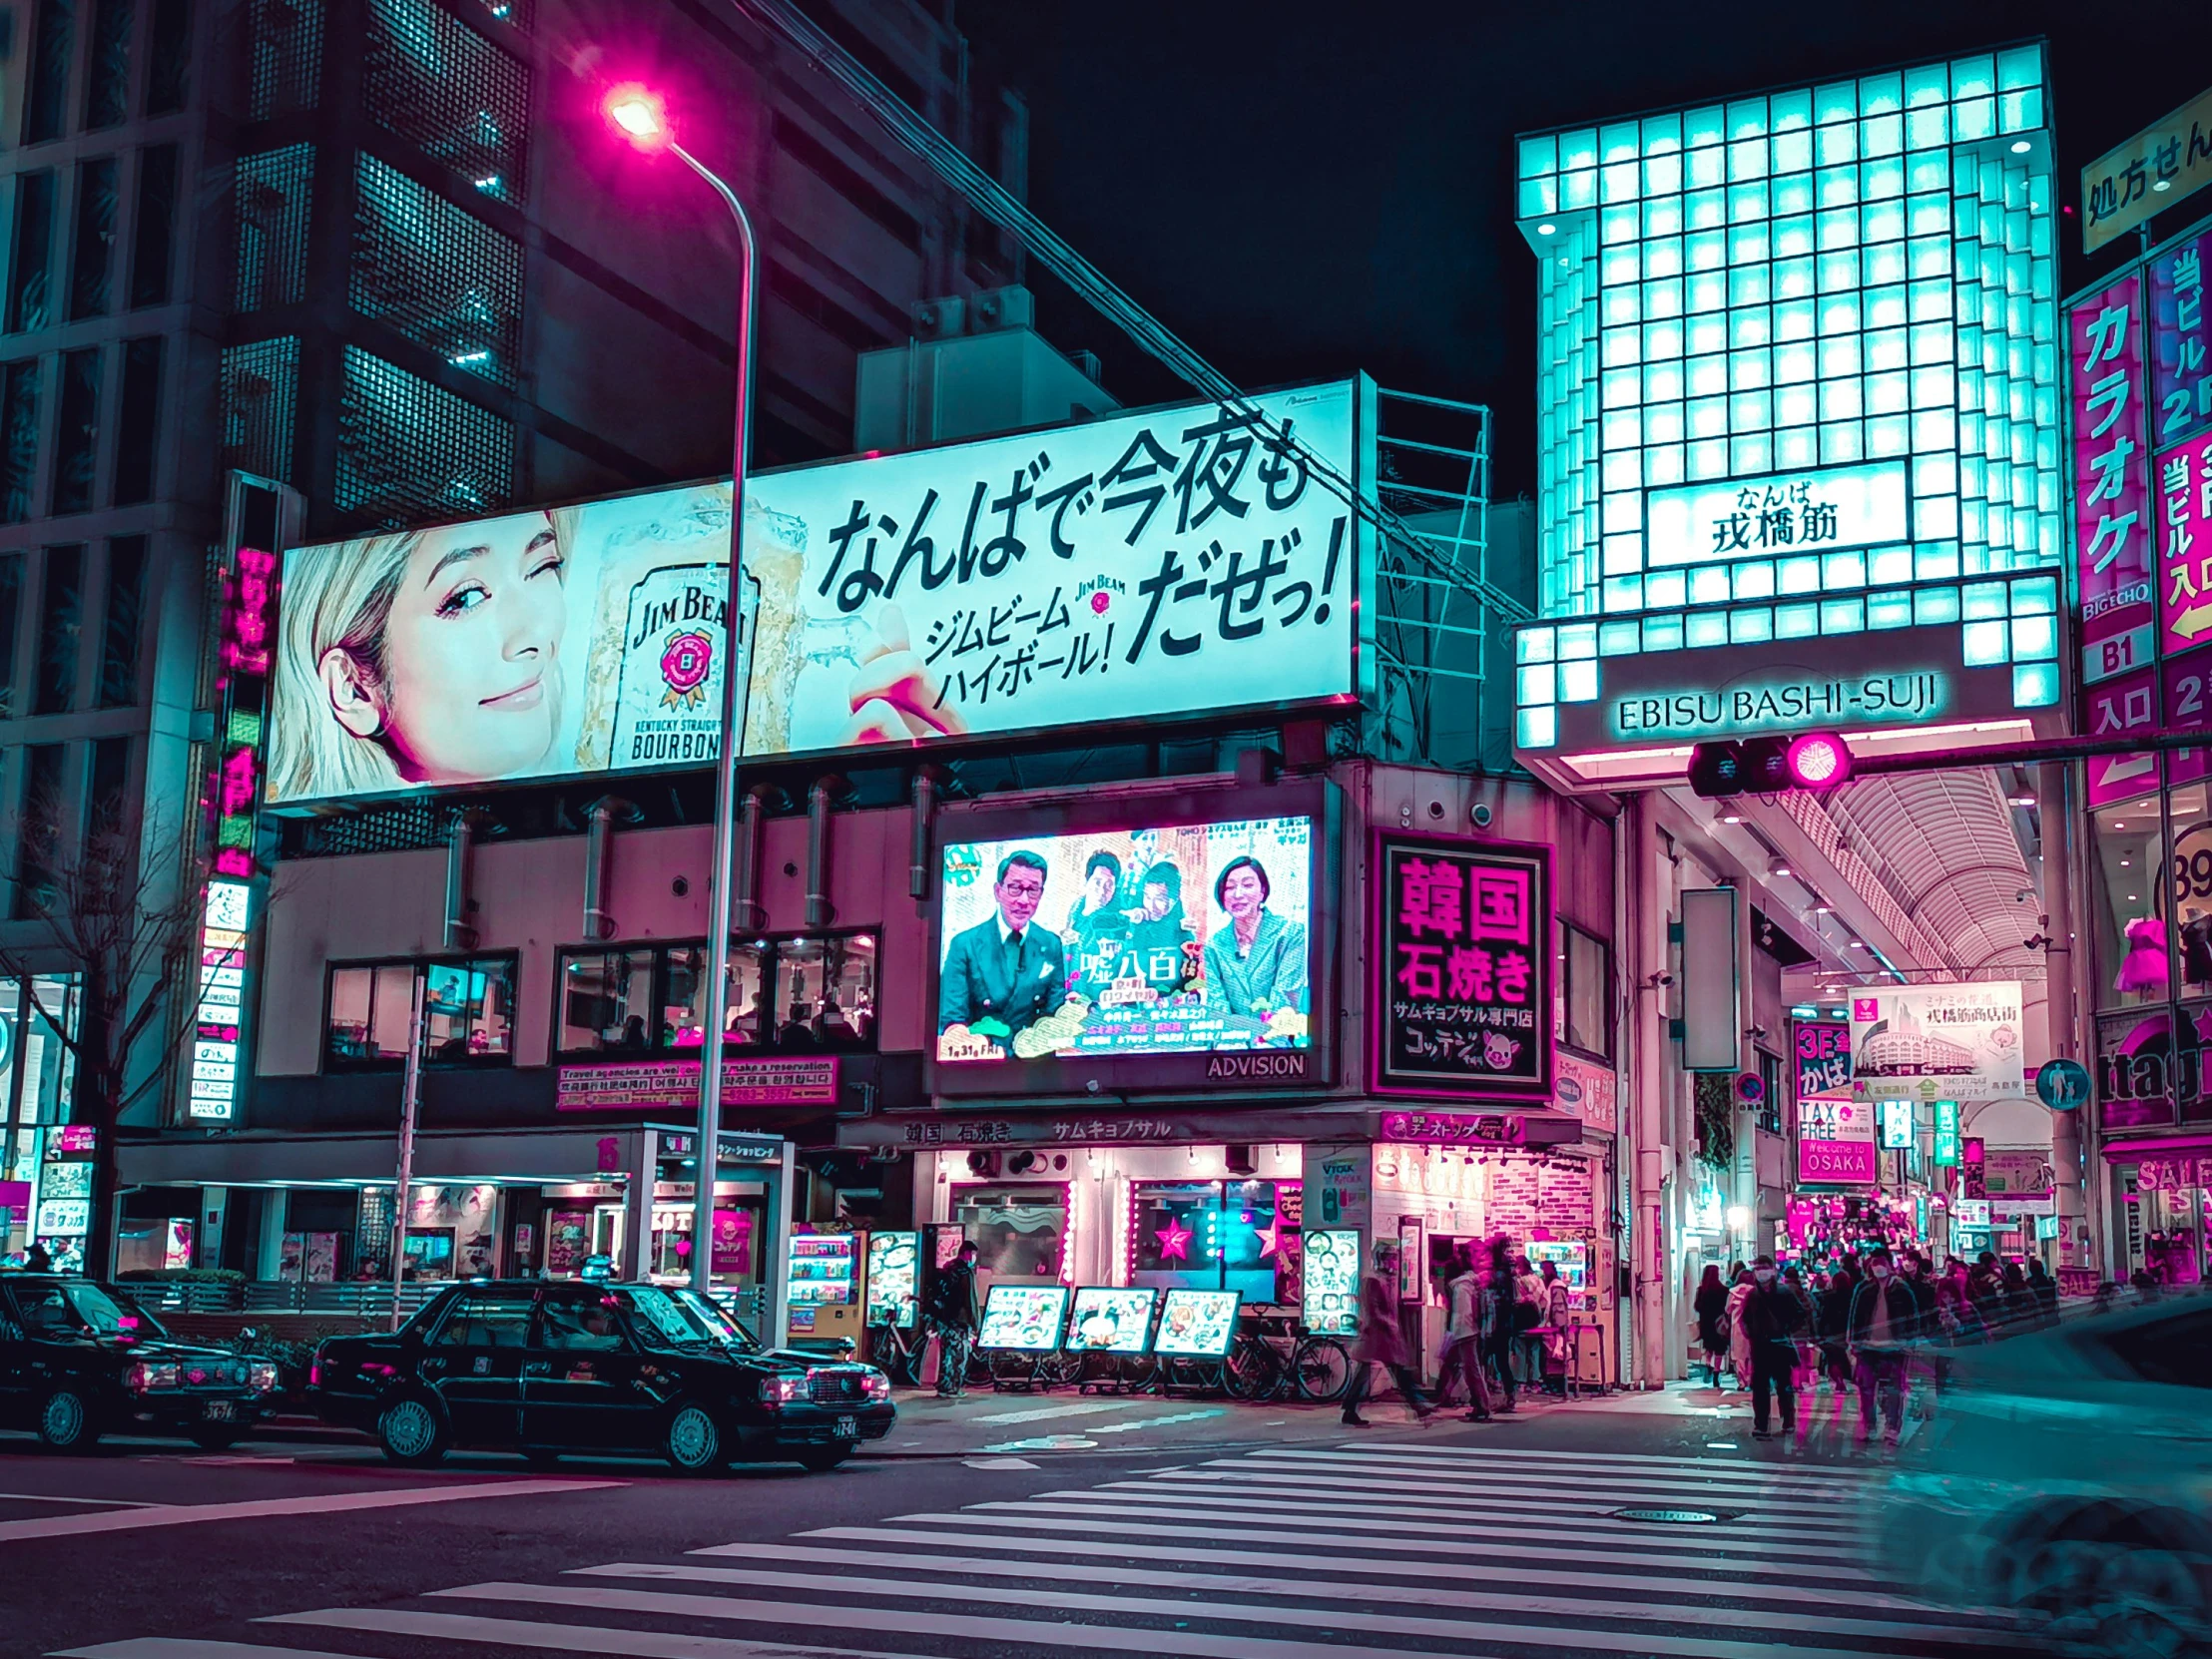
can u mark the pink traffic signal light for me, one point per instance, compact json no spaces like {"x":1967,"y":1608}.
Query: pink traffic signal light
{"x":1818,"y":761}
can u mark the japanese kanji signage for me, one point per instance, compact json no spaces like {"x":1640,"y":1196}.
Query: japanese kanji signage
{"x":1462,"y":969}
{"x":1153,"y":565}
{"x":1834,"y":507}
{"x":2111,"y":482}
{"x":2149,"y":174}
{"x":675,"y":1083}
{"x":2180,"y":340}
{"x":2183,"y":479}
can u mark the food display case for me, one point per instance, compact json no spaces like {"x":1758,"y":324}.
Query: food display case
{"x":822,"y":1289}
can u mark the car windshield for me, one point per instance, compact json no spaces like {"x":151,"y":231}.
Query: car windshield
{"x":75,"y":1307}
{"x":678,"y":1318}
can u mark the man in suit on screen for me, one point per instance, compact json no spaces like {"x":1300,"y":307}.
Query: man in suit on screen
{"x":1005,"y":968}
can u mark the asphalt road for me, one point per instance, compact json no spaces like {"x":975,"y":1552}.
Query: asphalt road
{"x":1000,"y":1526}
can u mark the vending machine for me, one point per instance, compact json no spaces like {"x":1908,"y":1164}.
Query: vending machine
{"x":823,"y":1289}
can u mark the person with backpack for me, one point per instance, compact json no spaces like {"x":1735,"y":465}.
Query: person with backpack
{"x":1772,"y":1317}
{"x":951,"y":1310}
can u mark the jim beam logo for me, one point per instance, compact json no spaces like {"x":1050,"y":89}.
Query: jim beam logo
{"x":670,"y":659}
{"x":1254,"y":1068}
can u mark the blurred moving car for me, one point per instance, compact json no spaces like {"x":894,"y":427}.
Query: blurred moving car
{"x":2067,"y":1474}
{"x":80,"y":1359}
{"x":548,"y":1366}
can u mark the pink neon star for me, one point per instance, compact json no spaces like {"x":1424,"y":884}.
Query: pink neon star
{"x":1267,"y":1237}
{"x":1175,"y":1240}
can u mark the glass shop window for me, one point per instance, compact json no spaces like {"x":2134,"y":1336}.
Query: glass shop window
{"x":1207,"y":1235}
{"x":607,"y":1001}
{"x":1021,"y":1233}
{"x":826,"y":994}
{"x":2129,"y":912}
{"x":468,"y":1012}
{"x":684,"y":1007}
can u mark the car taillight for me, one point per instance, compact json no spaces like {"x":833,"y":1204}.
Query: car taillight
{"x":315,"y":1372}
{"x":879,"y":1385}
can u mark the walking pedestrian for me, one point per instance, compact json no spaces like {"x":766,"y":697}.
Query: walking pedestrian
{"x":35,"y":1259}
{"x":1529,"y":1348}
{"x":2043,"y":1289}
{"x":1464,"y":1336}
{"x":1553,"y":1305}
{"x":1884,"y":1325}
{"x":1807,"y":1368}
{"x":1381,"y":1343}
{"x":951,"y":1310}
{"x":1739,"y":1346}
{"x":1501,"y":1318}
{"x":1711,"y":1307}
{"x":1771,"y":1316}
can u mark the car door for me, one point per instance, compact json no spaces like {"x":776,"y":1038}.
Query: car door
{"x":16,"y":1404}
{"x":581,"y":1385}
{"x":474,"y":1363}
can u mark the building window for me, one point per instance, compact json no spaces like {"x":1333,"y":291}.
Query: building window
{"x":274,"y":193}
{"x":260,"y":385}
{"x":1769,"y":1103}
{"x":61,"y":626}
{"x":46,"y":99}
{"x":410,"y":451}
{"x":108,"y":100}
{"x":467,"y":1009}
{"x":156,"y":220}
{"x":111,"y":773}
{"x":435,"y":274}
{"x":11,"y":596}
{"x":168,"y":73}
{"x":286,"y":56}
{"x":138,"y":421}
{"x":89,"y":260}
{"x":37,"y":878}
{"x":119,"y":633}
{"x":435,"y":82}
{"x":77,"y":432}
{"x":1585,"y":992}
{"x":1210,"y":1236}
{"x":34,"y":237}
{"x":18,"y":438}
{"x":629,"y":1000}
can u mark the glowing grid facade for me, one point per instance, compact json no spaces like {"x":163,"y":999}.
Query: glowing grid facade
{"x":1852,"y":273}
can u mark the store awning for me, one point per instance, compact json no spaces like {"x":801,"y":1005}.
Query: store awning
{"x":250,"y":1159}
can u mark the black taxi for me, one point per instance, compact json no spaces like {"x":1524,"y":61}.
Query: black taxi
{"x":550,"y":1366}
{"x":80,"y":1359}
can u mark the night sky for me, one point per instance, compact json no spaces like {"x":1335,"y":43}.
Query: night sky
{"x":1302,"y":190}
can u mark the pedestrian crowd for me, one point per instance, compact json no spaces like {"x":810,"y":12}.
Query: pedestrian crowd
{"x":1877,"y":1325}
{"x":1505,"y":1330}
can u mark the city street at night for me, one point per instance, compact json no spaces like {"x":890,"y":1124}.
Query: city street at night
{"x":1174,"y":1539}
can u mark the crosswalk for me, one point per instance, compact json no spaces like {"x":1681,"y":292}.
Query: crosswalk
{"x":1383,"y":1550}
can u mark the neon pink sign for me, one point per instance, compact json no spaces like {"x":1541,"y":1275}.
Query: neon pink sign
{"x":2112,"y":509}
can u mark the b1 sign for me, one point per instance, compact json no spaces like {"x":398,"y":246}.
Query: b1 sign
{"x":1154,"y":564}
{"x":1787,"y":512}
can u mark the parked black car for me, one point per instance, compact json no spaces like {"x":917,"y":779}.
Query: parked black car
{"x":80,"y":1359}
{"x":551,"y":1367}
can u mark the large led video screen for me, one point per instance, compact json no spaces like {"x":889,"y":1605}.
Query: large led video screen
{"x":1158,"y":564}
{"x":1176,"y":940}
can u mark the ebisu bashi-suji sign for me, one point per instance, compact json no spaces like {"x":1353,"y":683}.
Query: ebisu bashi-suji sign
{"x":1461,"y":958}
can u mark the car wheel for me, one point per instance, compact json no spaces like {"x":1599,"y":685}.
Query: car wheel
{"x":214,"y":1437}
{"x":821,"y":1459}
{"x":412,"y":1431}
{"x":692,"y":1442}
{"x":66,"y":1422}
{"x":2108,"y":1588}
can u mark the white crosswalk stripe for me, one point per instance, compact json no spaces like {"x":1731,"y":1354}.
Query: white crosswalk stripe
{"x":1380,"y":1551}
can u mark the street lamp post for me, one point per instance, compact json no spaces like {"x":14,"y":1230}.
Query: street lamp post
{"x":642,"y":118}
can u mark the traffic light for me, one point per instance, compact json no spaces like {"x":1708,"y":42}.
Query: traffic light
{"x":1768,"y":765}
{"x":1748,"y":765}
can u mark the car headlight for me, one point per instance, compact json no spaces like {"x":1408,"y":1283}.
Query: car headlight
{"x":879,"y":1385}
{"x":142,"y":1377}
{"x":784,"y":1389}
{"x":261,"y":1376}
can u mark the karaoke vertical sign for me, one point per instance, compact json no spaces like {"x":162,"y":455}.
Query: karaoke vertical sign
{"x":246,"y":621}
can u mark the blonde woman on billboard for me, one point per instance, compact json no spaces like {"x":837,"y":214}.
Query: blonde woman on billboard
{"x":429,"y":657}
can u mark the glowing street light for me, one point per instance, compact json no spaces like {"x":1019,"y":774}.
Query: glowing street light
{"x":641,"y":116}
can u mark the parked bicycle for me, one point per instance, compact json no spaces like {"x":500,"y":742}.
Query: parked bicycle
{"x":1271,"y":1359}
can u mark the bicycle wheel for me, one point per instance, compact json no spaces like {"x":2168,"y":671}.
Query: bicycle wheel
{"x":1252,"y":1368}
{"x":1323,"y":1367}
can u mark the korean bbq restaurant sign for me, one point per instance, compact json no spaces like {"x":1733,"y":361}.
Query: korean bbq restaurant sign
{"x":1154,"y":564}
{"x":1462,"y":973}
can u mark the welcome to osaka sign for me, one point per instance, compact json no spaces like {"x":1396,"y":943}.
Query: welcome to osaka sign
{"x":1461,"y":968}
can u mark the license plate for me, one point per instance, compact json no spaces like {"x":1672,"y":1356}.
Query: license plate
{"x":849,"y":1428}
{"x":219,"y":1411}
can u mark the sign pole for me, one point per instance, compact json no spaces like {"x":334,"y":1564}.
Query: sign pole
{"x":410,"y":1088}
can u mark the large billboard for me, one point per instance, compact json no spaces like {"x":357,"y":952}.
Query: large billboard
{"x":1108,"y":944}
{"x":1164,"y":563}
{"x":1937,"y":1042}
